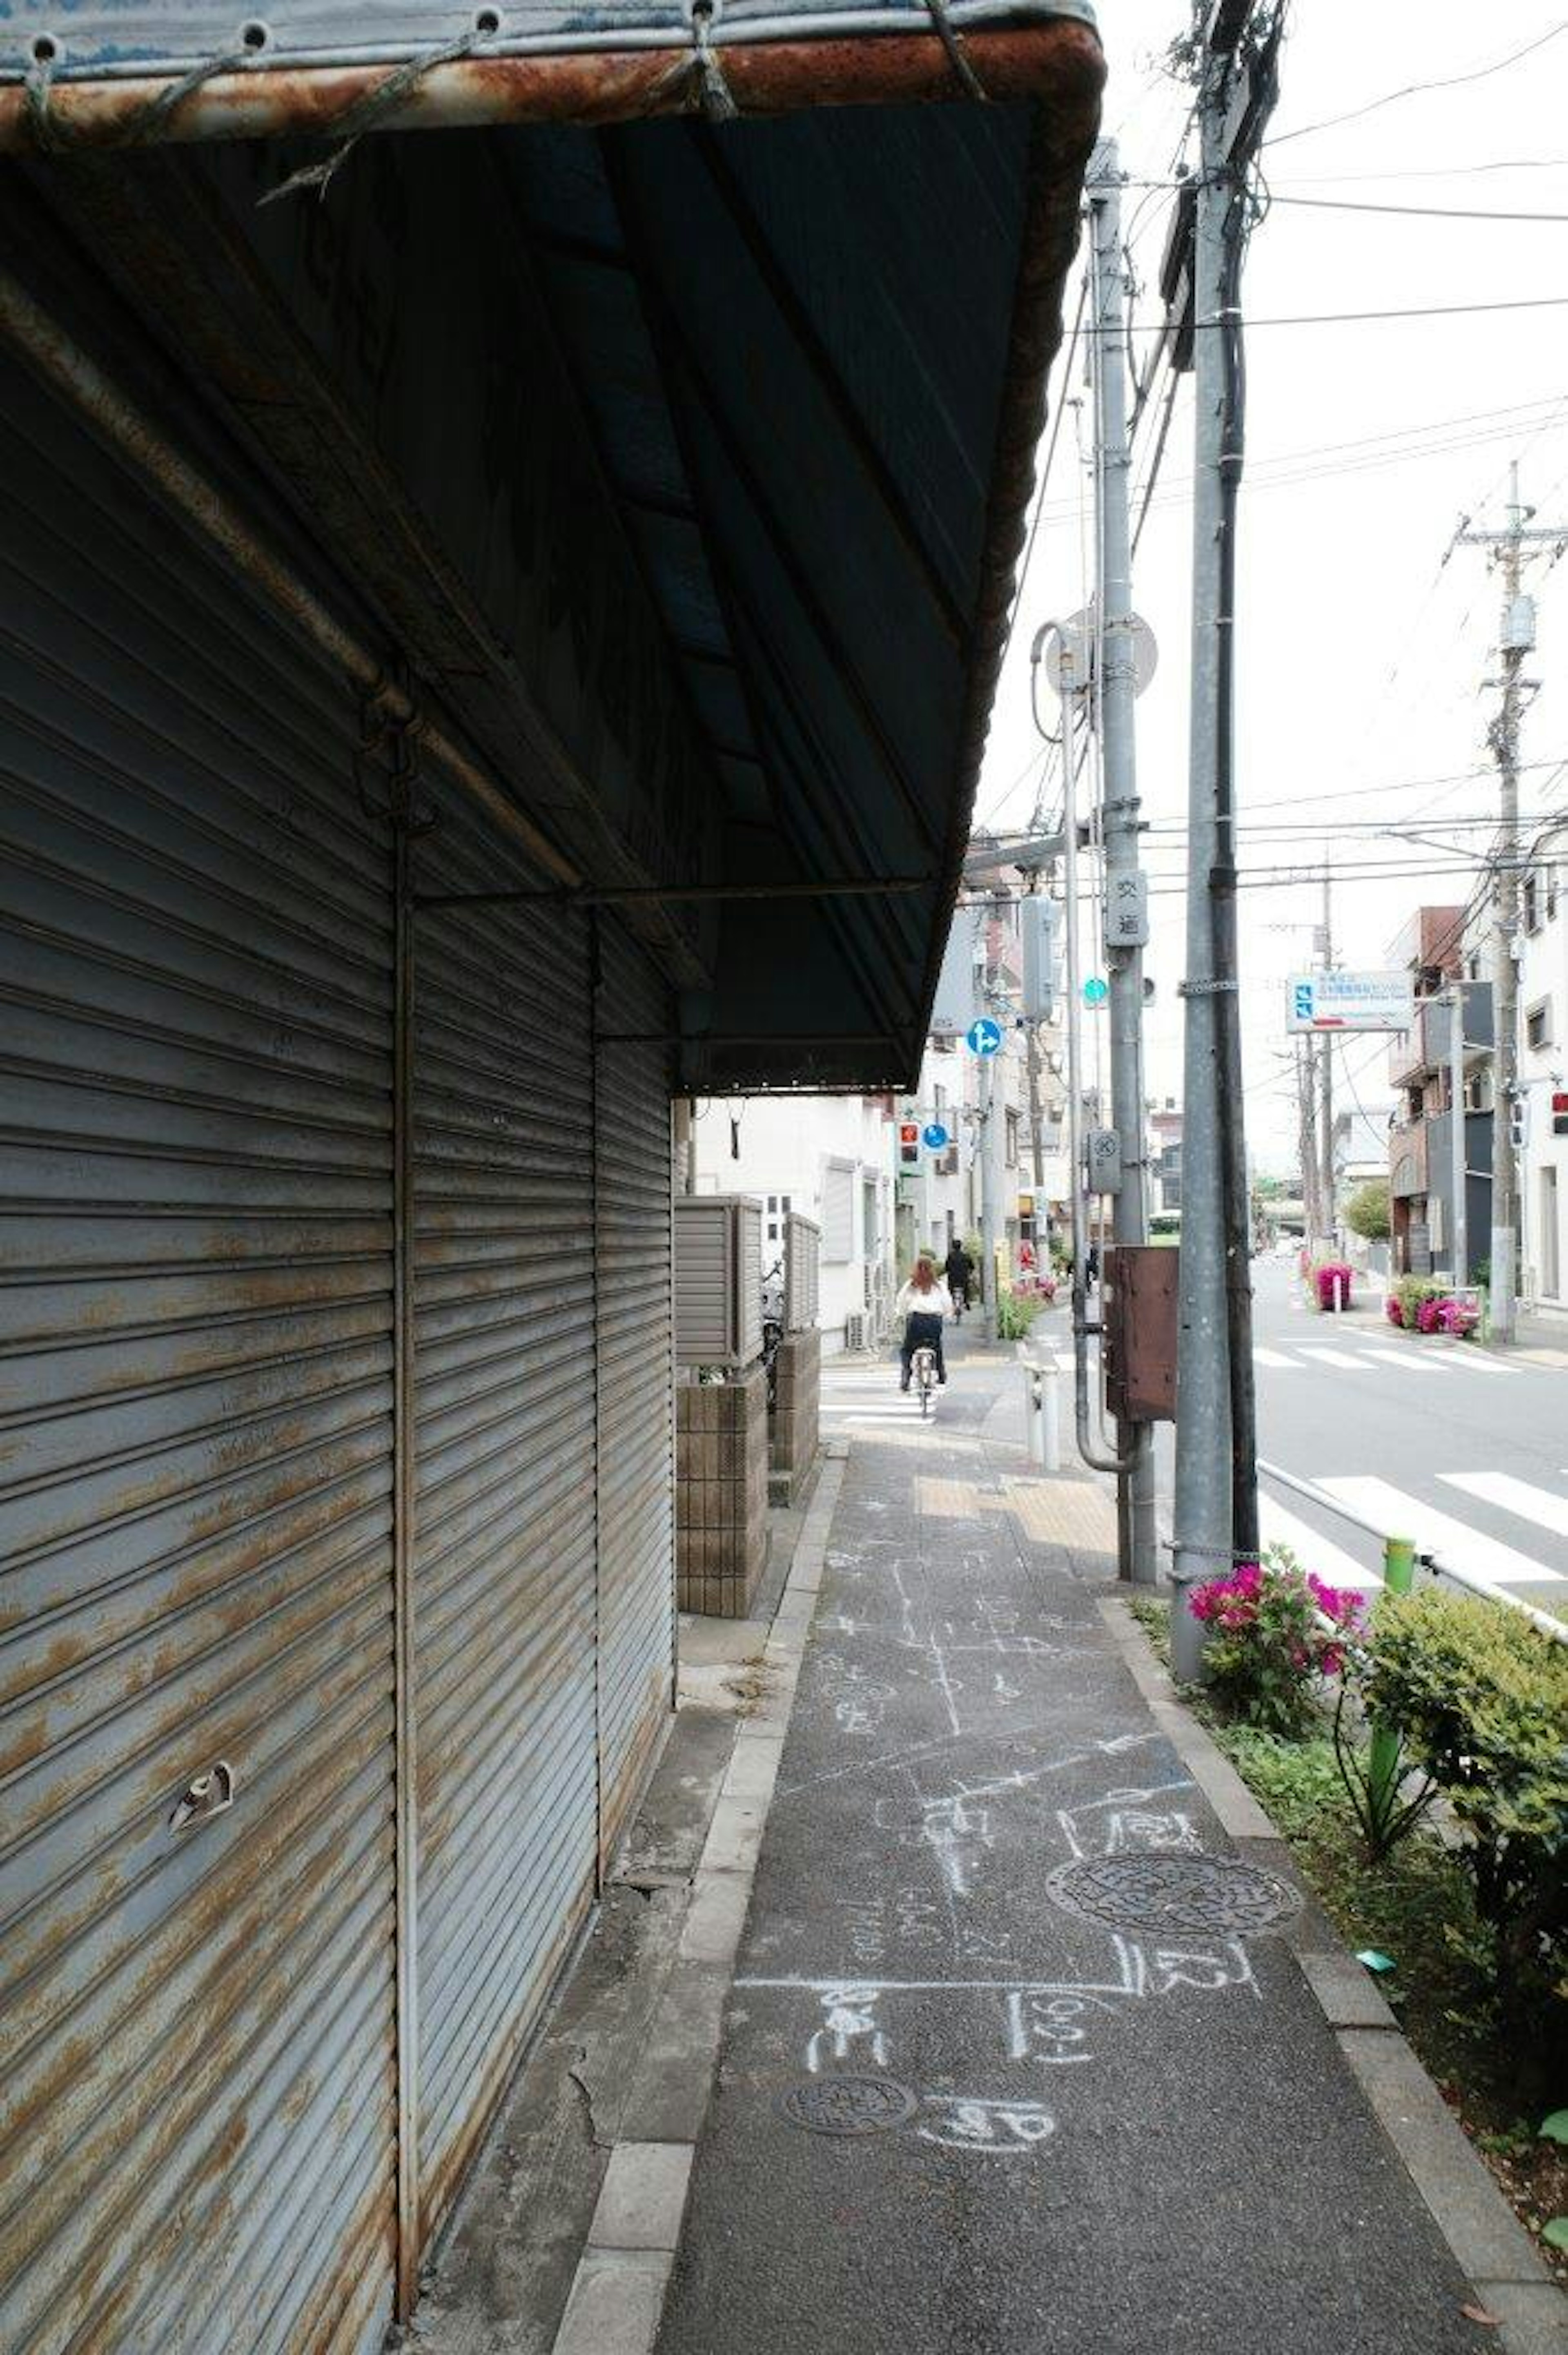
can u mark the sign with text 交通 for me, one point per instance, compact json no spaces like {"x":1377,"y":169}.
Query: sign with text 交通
{"x":1348,"y":1001}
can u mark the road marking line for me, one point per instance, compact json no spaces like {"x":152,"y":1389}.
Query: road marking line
{"x":1520,"y":1497}
{"x":1273,"y":1358}
{"x":1485,"y":1365}
{"x":1482,"y":1557}
{"x":1407,"y":1362}
{"x":1333,"y":1357}
{"x":1313,"y":1552}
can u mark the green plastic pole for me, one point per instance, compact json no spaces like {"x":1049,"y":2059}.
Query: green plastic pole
{"x":1382,"y":1763}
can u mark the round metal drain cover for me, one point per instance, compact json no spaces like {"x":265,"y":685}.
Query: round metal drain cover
{"x":1216,"y":1894}
{"x":848,"y":2105}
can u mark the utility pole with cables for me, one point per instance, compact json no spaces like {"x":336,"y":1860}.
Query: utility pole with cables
{"x":1215,"y":1502}
{"x":1518,"y":638}
{"x":1125,"y":912}
{"x":1325,"y":959}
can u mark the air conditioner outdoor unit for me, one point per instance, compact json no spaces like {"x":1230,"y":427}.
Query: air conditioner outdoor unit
{"x":856,"y":1323}
{"x":718,"y":1280}
{"x":802,"y":1254}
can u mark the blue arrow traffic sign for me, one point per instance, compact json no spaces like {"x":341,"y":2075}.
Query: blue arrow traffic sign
{"x":935,"y":1134}
{"x":1096,"y":991}
{"x":984,"y":1037}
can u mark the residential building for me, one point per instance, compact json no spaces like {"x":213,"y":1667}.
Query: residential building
{"x":1431,"y":949}
{"x":1543,"y":1076}
{"x":830,"y":1158}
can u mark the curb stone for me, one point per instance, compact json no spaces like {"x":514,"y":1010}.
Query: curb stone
{"x":1490,"y":2245}
{"x":618,"y":2293}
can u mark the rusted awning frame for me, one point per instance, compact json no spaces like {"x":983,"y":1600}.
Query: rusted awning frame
{"x":627,"y":83}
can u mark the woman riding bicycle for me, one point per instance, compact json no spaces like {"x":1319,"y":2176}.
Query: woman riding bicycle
{"x":924,"y":1304}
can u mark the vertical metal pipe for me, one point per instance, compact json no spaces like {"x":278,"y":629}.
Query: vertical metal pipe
{"x":988,"y":1112}
{"x":1202,"y":1506}
{"x":1117,"y":694}
{"x":407,"y":1841}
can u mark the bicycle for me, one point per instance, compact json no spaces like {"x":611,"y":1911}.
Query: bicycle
{"x":923,"y":1368}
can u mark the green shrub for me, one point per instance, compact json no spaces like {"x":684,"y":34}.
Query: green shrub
{"x":1015,"y":1313}
{"x":1479,"y":1698}
{"x":1408,"y":1293}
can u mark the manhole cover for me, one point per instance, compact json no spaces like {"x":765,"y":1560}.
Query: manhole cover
{"x":1174,"y":1893}
{"x":848,"y":2105}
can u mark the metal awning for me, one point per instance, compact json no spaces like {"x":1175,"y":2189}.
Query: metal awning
{"x":804,"y":322}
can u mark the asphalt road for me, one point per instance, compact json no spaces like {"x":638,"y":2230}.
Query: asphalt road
{"x":1464,"y":1450}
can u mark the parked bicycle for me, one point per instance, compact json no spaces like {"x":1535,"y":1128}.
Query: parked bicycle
{"x":772,"y":1327}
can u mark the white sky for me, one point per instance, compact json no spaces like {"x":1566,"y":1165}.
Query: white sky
{"x":1361,"y":653}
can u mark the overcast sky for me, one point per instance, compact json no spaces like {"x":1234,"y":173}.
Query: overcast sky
{"x":1363,"y":642}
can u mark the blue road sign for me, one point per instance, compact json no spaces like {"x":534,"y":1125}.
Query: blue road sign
{"x":935,"y":1134}
{"x":984,"y":1037}
{"x":1096,"y":991}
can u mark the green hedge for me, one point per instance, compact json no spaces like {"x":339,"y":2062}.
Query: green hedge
{"x":1479,"y":1697}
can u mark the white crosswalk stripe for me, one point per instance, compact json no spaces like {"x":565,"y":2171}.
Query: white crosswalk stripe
{"x":1276,"y":1358}
{"x":1330,"y":1562}
{"x":1334,"y":1357}
{"x":1542,"y":1506}
{"x":1481,"y":1558}
{"x":1410,"y":1361}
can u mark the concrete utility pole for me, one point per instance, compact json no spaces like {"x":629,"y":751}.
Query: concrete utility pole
{"x":1216,"y":1504}
{"x":1325,"y":1067}
{"x":1126,"y":911}
{"x":1306,"y":1134}
{"x":1518,"y":639}
{"x":988,"y":1125}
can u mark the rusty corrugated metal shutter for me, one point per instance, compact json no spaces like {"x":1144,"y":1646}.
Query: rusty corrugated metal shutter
{"x":198,"y":2117}
{"x":506,"y":1471}
{"x":632,"y":1213}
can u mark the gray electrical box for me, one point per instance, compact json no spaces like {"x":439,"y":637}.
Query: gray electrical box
{"x":957,"y":1001}
{"x":1127,"y":911}
{"x":1037,"y":922}
{"x":1102,"y":1153}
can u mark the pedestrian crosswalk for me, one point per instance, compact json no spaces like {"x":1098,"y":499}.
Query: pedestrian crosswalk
{"x":1484,"y":1559}
{"x":1427,"y":1360}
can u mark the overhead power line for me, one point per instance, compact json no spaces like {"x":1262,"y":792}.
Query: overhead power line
{"x":1412,"y":212}
{"x":1419,"y":89}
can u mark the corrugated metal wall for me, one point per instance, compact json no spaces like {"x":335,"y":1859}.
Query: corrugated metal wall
{"x":505,"y":1468}
{"x":196,"y":2136}
{"x":636,"y":1405}
{"x":199,"y":1542}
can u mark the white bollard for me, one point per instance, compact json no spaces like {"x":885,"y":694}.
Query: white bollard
{"x":1050,"y":1417}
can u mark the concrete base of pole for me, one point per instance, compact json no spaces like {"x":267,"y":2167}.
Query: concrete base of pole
{"x":1187,"y":1635}
{"x":1502,"y":1284}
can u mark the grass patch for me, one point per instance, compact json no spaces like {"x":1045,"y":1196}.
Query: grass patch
{"x":1417,"y":1906}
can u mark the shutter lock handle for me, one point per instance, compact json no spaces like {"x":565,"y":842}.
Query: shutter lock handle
{"x":205,"y":1796}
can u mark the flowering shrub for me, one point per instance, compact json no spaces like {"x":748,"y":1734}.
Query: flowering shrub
{"x":1393,"y":1311}
{"x":1459,"y":1317}
{"x":1267,"y":1648}
{"x":1331,"y":1278}
{"x":1426,"y":1316}
{"x":1417,"y":1306}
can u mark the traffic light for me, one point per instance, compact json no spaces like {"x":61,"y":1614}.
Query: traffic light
{"x":1560,"y":1113}
{"x":909,"y":1144}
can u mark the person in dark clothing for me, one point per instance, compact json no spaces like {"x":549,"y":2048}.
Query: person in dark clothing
{"x":959,"y":1270}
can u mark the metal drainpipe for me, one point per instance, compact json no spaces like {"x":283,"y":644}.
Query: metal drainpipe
{"x":404,"y":1489}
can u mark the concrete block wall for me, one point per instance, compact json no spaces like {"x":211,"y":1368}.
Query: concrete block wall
{"x":721,"y":1494}
{"x":794,"y":1428}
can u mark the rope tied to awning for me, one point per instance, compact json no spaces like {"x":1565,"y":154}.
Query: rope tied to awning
{"x":370,"y":108}
{"x":54,"y":135}
{"x":712,"y":92}
{"x":953,"y":42}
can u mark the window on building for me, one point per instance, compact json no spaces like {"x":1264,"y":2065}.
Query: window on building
{"x":838,"y":1211}
{"x":1530,"y":903}
{"x":1012,"y":1134}
{"x":1538,"y":1024}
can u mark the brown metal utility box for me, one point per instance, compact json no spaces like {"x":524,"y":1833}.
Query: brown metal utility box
{"x":1137,"y":1308}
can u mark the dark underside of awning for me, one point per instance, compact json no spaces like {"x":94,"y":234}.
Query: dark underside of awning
{"x":808,"y":355}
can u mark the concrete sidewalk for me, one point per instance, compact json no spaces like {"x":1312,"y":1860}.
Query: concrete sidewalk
{"x":1020,"y":2055}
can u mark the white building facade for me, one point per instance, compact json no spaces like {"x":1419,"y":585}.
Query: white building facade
{"x":1543,"y":1078}
{"x":831,"y":1159}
